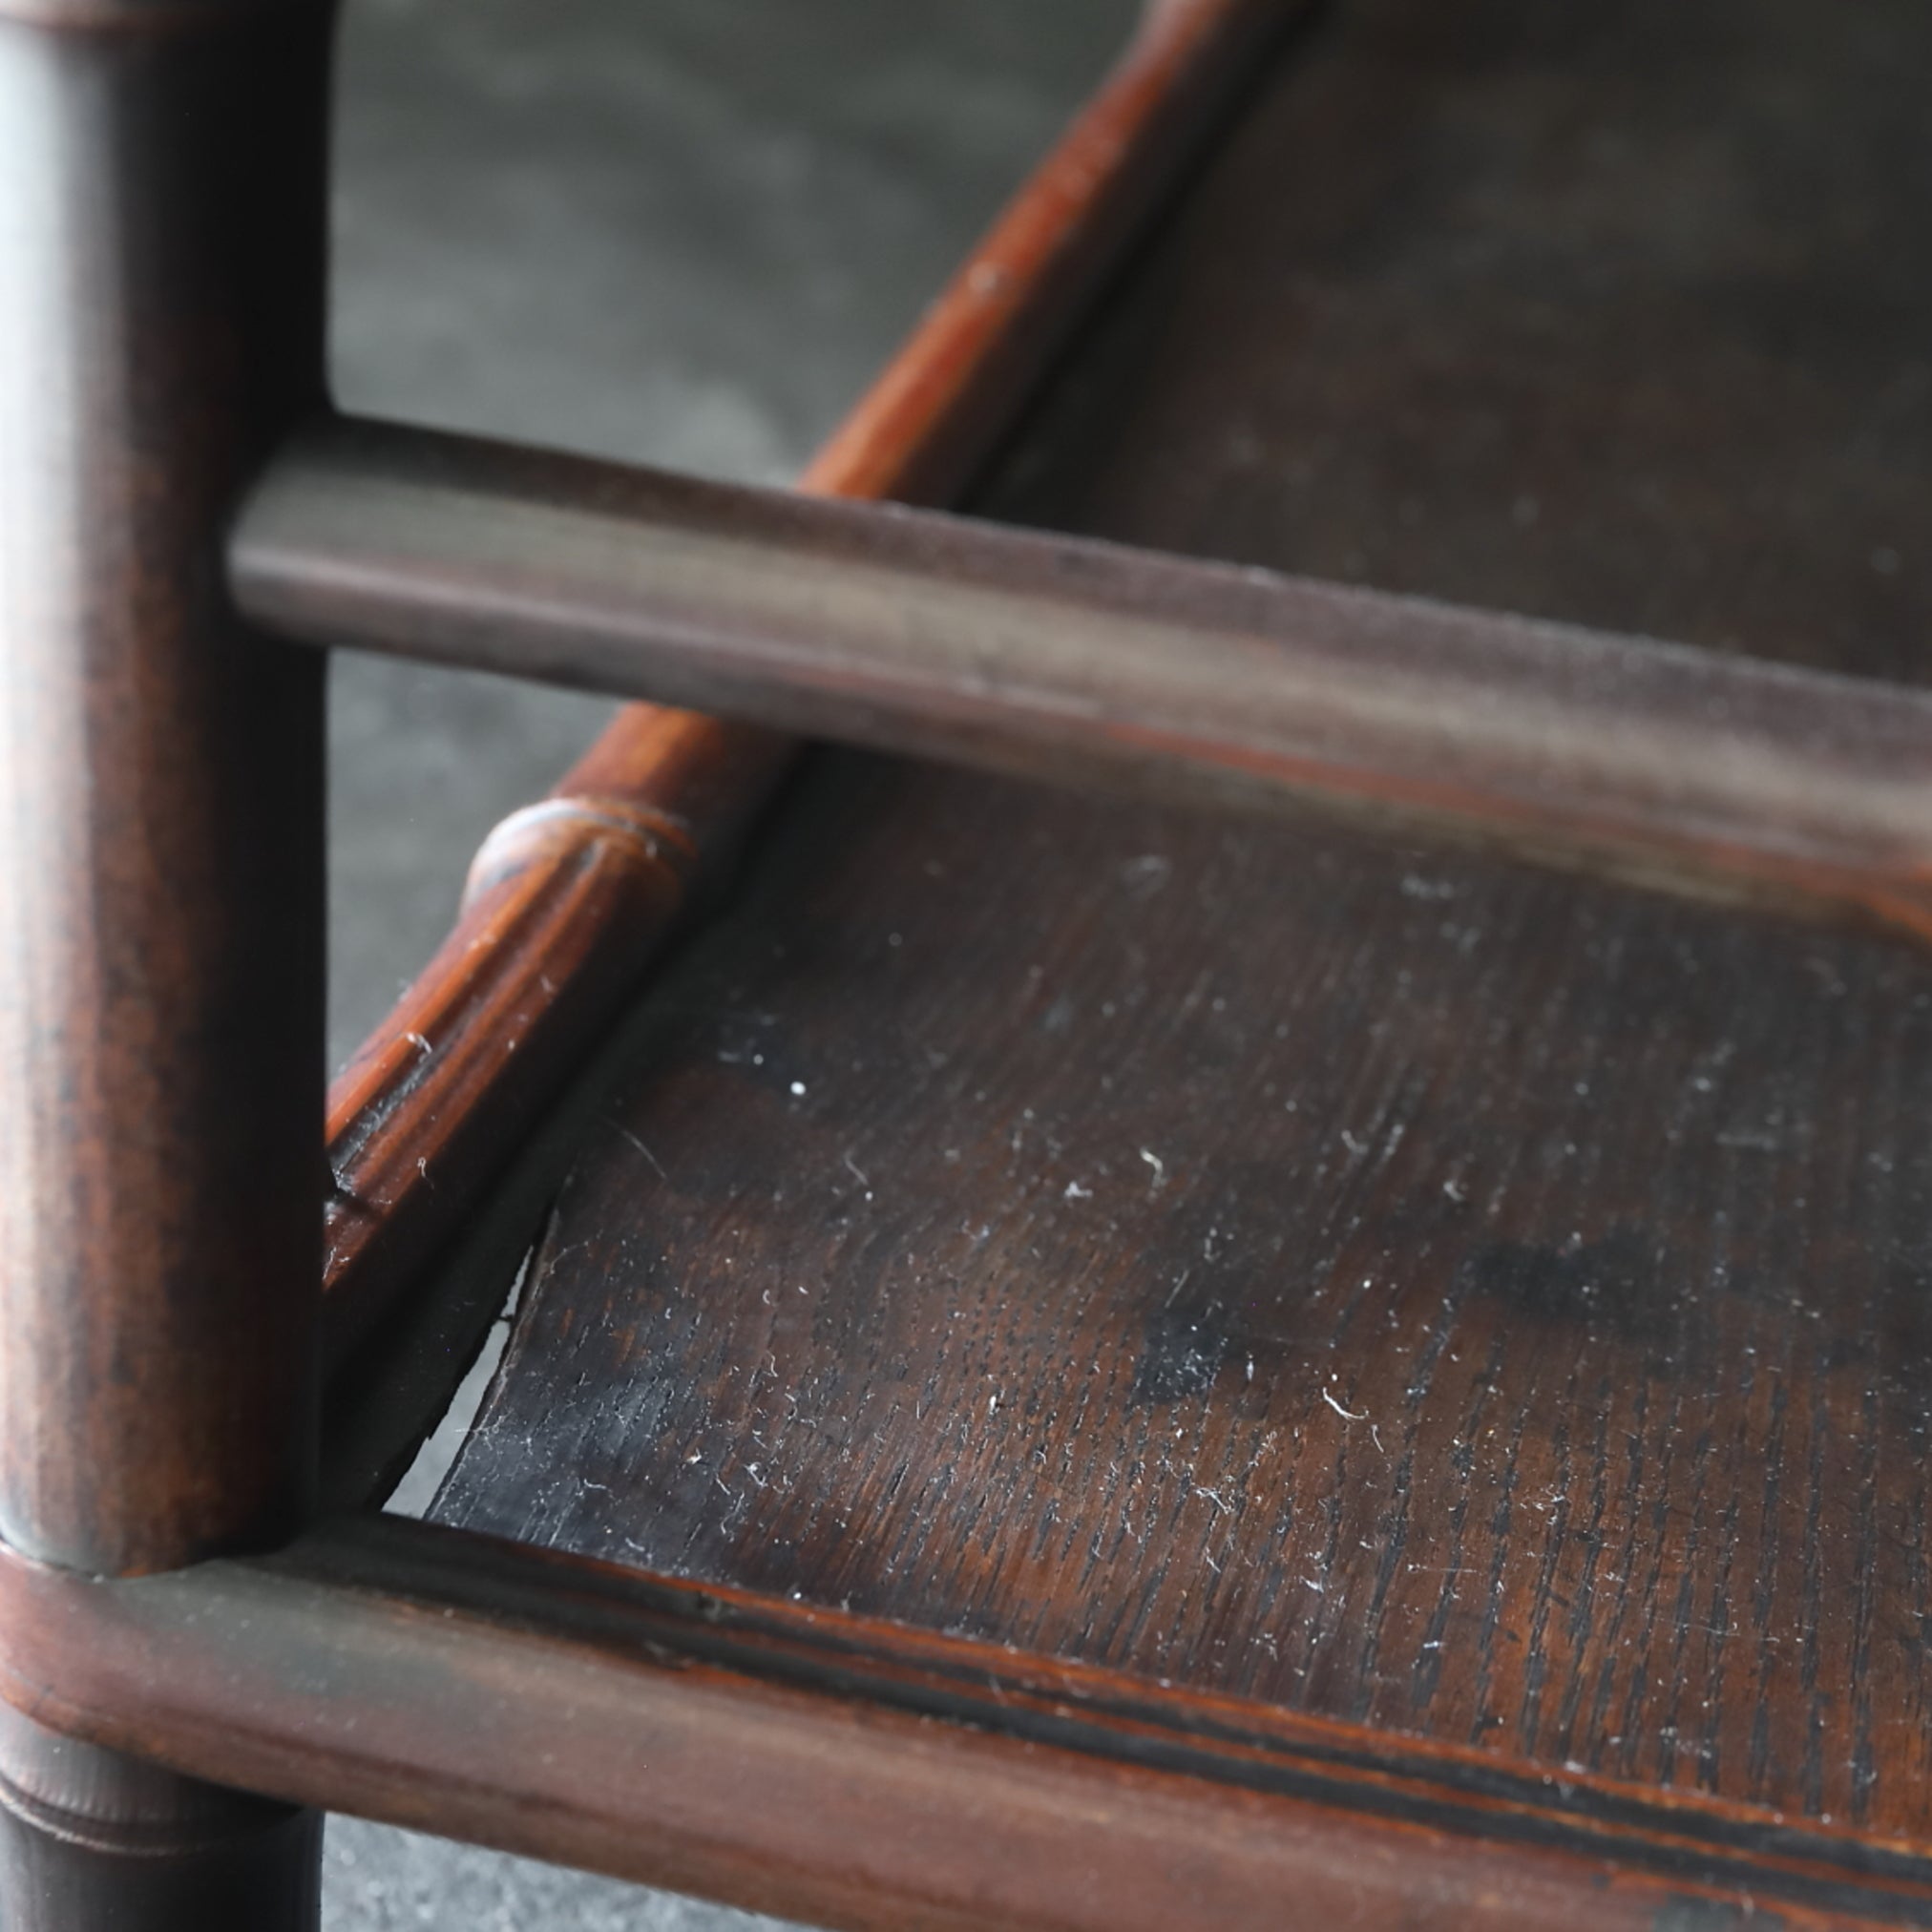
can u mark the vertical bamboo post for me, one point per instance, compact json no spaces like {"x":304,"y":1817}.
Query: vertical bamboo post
{"x":162,"y":208}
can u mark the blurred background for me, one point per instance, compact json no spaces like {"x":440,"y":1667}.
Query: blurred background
{"x":688,"y":233}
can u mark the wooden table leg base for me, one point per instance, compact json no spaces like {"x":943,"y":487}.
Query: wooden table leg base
{"x":92,"y":1839}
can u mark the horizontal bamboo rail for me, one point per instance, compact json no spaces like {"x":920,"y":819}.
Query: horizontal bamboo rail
{"x":1060,"y":657}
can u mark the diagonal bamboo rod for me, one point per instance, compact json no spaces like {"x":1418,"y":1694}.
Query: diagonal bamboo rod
{"x":570,"y":900}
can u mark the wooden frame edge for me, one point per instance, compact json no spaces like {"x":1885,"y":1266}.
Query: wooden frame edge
{"x":810,"y":1763}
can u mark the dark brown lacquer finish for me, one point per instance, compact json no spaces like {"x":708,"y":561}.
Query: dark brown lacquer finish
{"x":1100,"y":1368}
{"x":1393,"y":1292}
{"x":162,"y":831}
{"x":924,"y":430}
{"x":91,"y":1839}
{"x":566,"y":902}
{"x":569,"y":906}
{"x":1058,"y":655}
{"x":1468,"y":1323}
{"x":857,"y":1773}
{"x":1614,"y":315}
{"x":161,"y":203}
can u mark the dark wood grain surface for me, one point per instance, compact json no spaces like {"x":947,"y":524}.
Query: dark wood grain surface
{"x":1406,"y":1292}
{"x":1412,"y":1298}
{"x":1609,"y":313}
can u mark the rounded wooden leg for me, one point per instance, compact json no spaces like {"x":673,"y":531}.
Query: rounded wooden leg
{"x":92,"y":1842}
{"x":162,"y":171}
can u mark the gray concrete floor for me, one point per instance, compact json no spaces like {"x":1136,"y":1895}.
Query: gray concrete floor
{"x":689,"y":233}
